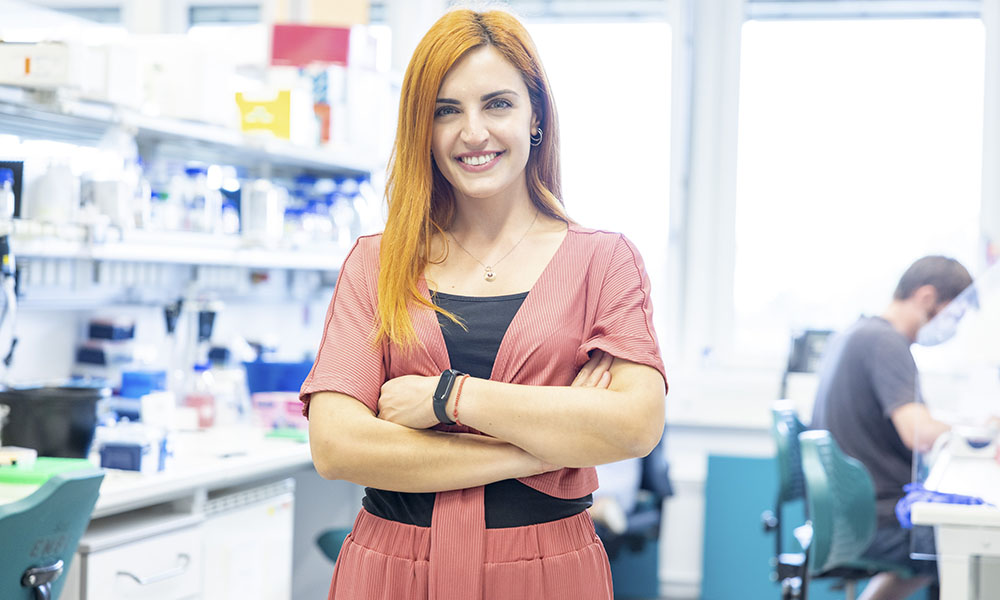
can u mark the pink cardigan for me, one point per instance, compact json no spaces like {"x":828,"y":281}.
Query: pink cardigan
{"x":594,"y":294}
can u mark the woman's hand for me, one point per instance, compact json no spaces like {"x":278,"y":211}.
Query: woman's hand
{"x":407,"y":401}
{"x":596,"y":372}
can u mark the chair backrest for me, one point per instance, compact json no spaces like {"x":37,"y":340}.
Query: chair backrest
{"x":656,"y":471}
{"x":785,"y":428}
{"x":840,"y":500}
{"x":44,"y":528}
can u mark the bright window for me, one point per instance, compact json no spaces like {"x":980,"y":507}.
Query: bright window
{"x":860,"y":150}
{"x":611,"y":83}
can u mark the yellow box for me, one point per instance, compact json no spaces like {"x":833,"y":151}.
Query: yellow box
{"x":272,"y":115}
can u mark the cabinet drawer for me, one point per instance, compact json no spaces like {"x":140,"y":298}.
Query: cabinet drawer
{"x":167,"y":566}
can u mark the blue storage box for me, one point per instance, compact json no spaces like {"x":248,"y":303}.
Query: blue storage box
{"x":265,"y":376}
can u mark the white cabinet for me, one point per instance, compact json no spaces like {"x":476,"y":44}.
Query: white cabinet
{"x":234,"y":543}
{"x":248,"y":544}
{"x":142,"y":555}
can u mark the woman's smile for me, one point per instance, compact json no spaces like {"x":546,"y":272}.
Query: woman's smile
{"x":476,"y":162}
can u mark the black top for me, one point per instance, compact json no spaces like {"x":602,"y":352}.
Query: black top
{"x":508,"y":503}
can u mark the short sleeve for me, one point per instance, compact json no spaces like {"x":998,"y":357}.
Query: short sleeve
{"x":623,"y":325}
{"x":893,"y":373}
{"x":348,"y":360}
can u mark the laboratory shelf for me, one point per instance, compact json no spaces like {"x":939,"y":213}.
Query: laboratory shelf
{"x":51,"y":116}
{"x":183,"y":248}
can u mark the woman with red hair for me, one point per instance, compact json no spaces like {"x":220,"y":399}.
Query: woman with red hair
{"x":484,"y":352}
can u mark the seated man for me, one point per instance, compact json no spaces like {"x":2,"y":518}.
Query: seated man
{"x":869,"y":399}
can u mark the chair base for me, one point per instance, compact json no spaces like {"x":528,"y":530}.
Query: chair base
{"x":40,"y":579}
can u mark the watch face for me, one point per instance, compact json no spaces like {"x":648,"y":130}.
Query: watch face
{"x":441,"y":395}
{"x":444,"y":384}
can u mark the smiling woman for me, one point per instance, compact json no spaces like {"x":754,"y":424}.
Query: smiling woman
{"x":536,"y":332}
{"x":481,"y":136}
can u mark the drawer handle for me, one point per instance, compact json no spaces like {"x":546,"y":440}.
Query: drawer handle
{"x":182,"y":559}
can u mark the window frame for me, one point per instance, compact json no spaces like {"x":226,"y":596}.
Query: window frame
{"x":699,"y":333}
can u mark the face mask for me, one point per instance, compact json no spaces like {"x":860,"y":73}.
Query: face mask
{"x":940,"y":329}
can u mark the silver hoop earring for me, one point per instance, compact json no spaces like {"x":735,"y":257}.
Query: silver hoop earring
{"x":536,"y":139}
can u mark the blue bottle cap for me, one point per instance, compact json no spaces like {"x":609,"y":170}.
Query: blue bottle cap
{"x":6,"y":175}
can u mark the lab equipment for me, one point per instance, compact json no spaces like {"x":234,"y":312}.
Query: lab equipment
{"x":6,"y":194}
{"x":56,"y":421}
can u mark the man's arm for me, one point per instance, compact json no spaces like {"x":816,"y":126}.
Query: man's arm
{"x":916,"y":427}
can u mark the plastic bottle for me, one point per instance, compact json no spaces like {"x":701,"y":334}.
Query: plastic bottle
{"x":262,"y":210}
{"x":295,"y":232}
{"x":143,"y":196}
{"x":369,"y":205}
{"x":316,"y":221}
{"x":304,"y":187}
{"x":166,"y":210}
{"x":200,"y":394}
{"x":230,"y":218}
{"x":203,"y":205}
{"x":232,"y":399}
{"x":6,"y":194}
{"x":346,"y":220}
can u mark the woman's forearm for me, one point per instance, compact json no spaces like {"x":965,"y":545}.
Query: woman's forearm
{"x":571,"y":426}
{"x":350,"y":443}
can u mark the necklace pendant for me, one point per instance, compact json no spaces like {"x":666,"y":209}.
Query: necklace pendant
{"x":489,"y":274}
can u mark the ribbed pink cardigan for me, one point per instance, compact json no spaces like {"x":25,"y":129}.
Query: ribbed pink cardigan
{"x":594,"y":294}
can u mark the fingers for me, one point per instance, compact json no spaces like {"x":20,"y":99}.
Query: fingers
{"x":605,"y":381}
{"x":600,"y":370}
{"x":584,"y":372}
{"x":595,"y":372}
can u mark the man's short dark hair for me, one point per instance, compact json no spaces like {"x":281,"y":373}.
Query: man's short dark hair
{"x":947,"y":275}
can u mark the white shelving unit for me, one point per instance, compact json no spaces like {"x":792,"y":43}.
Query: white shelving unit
{"x":48,"y":115}
{"x":181,"y":248}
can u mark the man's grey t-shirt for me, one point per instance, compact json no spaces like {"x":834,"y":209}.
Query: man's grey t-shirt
{"x":866,"y":373}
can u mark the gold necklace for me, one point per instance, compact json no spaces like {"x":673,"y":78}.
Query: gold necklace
{"x":488,"y":273}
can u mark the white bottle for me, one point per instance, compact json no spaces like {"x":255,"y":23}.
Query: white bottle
{"x":202,"y":202}
{"x":6,"y":194}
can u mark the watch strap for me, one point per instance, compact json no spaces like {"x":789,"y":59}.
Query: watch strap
{"x":442,"y":393}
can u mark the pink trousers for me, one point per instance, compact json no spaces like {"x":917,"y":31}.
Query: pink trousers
{"x":386,"y":560}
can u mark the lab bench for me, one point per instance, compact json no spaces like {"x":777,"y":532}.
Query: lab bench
{"x":218,"y":522}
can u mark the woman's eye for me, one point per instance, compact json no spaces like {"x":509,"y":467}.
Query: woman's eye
{"x":500,"y":103}
{"x":444,"y":111}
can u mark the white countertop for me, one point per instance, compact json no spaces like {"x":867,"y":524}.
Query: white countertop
{"x":937,"y":513}
{"x":960,"y":469}
{"x":203,"y":460}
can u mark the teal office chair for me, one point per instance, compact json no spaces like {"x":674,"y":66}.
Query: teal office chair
{"x":40,"y":533}
{"x":840,"y":501}
{"x":331,"y":540}
{"x":787,"y":567}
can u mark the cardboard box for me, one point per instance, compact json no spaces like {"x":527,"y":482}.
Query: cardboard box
{"x":52,"y":65}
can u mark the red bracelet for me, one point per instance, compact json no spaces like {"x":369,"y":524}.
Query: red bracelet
{"x":458,"y":396}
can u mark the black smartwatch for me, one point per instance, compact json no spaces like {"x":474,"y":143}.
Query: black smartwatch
{"x":442,"y":393}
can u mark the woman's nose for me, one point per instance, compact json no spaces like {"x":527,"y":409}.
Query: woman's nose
{"x":474,"y":131}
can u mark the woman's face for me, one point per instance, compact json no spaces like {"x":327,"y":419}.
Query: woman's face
{"x":482,"y":123}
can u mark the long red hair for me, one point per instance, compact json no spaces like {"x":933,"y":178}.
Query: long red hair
{"x":421,"y":201}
